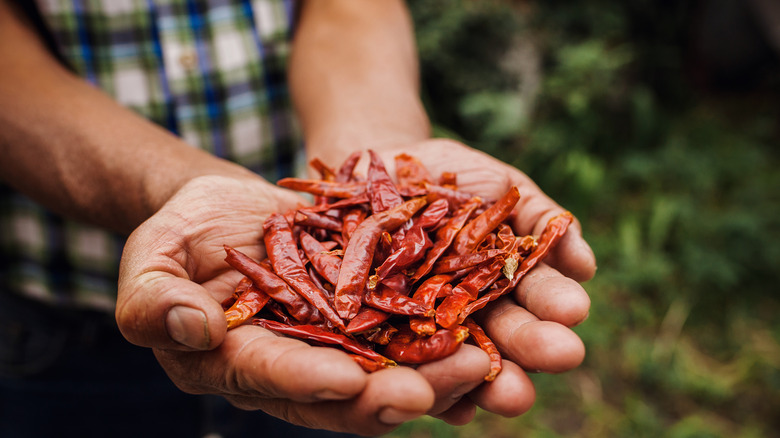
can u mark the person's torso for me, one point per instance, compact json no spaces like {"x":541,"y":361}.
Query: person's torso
{"x":211,"y":71}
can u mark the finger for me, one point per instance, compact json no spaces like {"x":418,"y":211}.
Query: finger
{"x":254,"y":362}
{"x":511,"y":394}
{"x":572,"y":256}
{"x":160,"y":303}
{"x":390,"y":397}
{"x":157,"y":304}
{"x":454,"y":376}
{"x":539,"y":346}
{"x":551,"y":296}
{"x":159,"y":310}
{"x":460,"y":413}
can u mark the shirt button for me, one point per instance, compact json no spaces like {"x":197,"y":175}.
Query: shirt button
{"x":188,"y":60}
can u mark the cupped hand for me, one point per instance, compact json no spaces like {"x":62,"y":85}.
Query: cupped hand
{"x":173,"y":278}
{"x":531,"y":326}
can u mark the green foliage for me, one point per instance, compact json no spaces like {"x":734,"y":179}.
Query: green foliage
{"x":676,"y":183}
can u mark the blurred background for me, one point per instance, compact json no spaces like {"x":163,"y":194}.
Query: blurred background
{"x":658,"y":124}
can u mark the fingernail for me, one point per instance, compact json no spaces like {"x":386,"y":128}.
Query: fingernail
{"x":395,"y":416}
{"x":582,"y":320}
{"x":188,"y":326}
{"x":329,"y":394}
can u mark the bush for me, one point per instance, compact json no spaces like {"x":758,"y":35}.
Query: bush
{"x":670,"y":161}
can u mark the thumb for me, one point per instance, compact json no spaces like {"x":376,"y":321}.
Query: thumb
{"x":159,"y":310}
{"x":157,"y":304}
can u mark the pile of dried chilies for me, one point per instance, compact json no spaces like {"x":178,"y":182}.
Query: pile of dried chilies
{"x":390,"y":271}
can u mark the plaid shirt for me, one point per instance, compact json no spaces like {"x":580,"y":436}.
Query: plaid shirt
{"x":211,"y":71}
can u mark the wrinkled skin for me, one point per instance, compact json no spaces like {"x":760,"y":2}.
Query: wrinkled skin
{"x":176,"y":258}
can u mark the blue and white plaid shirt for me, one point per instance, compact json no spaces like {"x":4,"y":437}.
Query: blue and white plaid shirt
{"x":211,"y":71}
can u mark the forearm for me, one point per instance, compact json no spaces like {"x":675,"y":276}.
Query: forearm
{"x":354,"y":77}
{"x":74,"y":149}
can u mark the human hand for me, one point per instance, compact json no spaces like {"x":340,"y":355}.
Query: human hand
{"x":531,"y":327}
{"x":173,"y":278}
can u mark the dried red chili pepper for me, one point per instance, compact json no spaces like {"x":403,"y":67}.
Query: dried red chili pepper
{"x":382,"y":335}
{"x":412,"y":249}
{"x":467,"y":291}
{"x":338,"y":240}
{"x":553,"y":232}
{"x":341,"y":204}
{"x":367,"y":319}
{"x":427,"y":293}
{"x":423,"y":325}
{"x":433,"y":215}
{"x":318,"y":334}
{"x":412,"y":191}
{"x":326,"y":173}
{"x":382,"y":191}
{"x":505,"y":237}
{"x":369,"y":365}
{"x":358,"y":254}
{"x":399,"y":283}
{"x":227,"y":302}
{"x":347,"y":169}
{"x":482,"y":340}
{"x":409,"y":347}
{"x":330,"y":245}
{"x":317,"y":280}
{"x":278,"y":311}
{"x":409,"y":171}
{"x":448,"y":180}
{"x":489,"y":242}
{"x":324,"y":262}
{"x":473,"y":232}
{"x":240,"y":288}
{"x":316,"y":220}
{"x":283,"y":253}
{"x":456,"y":198}
{"x":526,"y":244}
{"x":351,"y":219}
{"x":249,"y":301}
{"x":390,"y":301}
{"x":264,"y":278}
{"x":458,"y":262}
{"x":430,"y":218}
{"x":324,"y":188}
{"x":445,"y":236}
{"x":431,"y":289}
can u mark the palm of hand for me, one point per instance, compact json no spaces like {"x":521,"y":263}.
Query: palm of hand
{"x":173,"y":277}
{"x":533,"y":335}
{"x":476,"y":172}
{"x":485,"y":176}
{"x":181,"y":246}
